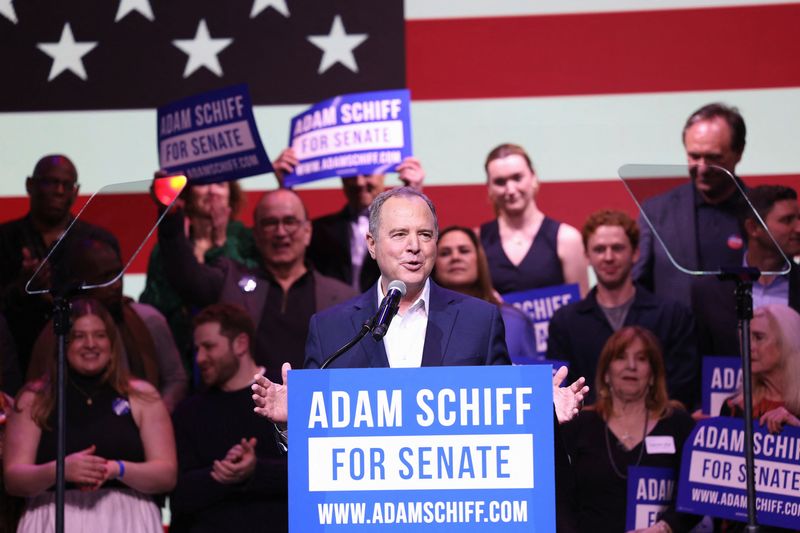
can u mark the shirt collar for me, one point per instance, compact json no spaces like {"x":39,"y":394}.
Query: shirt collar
{"x":421,"y":301}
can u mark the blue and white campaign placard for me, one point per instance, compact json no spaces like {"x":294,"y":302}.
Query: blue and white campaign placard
{"x":650,"y":491}
{"x":211,"y":137}
{"x":421,"y":449}
{"x":540,"y":304}
{"x":722,"y":377}
{"x":351,"y":134}
{"x":712,"y":480}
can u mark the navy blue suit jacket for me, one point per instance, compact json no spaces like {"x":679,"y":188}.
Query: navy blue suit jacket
{"x":462,"y":330}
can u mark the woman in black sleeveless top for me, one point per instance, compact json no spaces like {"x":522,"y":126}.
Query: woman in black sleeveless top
{"x":525,"y":249}
{"x":120,"y":444}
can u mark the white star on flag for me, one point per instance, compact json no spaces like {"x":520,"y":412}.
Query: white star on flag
{"x":142,"y":6}
{"x":277,"y":5}
{"x":202,"y":50}
{"x":337,"y":46}
{"x":7,"y":10}
{"x":67,"y":54}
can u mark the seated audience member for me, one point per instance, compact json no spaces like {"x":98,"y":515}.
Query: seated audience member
{"x":11,"y":506}
{"x":525,"y":248}
{"x":713,"y":300}
{"x":25,"y":243}
{"x":608,"y":438}
{"x":461,"y":266}
{"x":698,"y":221}
{"x":338,"y":241}
{"x":213,"y":232}
{"x":120,"y":446}
{"x":775,"y":366}
{"x":579,"y":330}
{"x":231,"y":473}
{"x":148,"y":350}
{"x":280,"y":295}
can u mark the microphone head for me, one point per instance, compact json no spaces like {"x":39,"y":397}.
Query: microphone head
{"x":398,"y":285}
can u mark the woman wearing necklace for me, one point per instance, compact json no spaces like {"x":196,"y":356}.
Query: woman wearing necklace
{"x":120,"y":444}
{"x":526,"y":249}
{"x":632,"y":424}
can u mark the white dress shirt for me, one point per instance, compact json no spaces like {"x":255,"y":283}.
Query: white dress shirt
{"x":405,"y":338}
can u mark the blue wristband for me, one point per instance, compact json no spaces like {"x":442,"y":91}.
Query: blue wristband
{"x":121,"y":469}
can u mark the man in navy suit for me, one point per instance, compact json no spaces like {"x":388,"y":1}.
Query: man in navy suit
{"x":434,"y":326}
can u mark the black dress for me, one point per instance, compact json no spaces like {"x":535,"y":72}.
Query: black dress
{"x":541,"y":266}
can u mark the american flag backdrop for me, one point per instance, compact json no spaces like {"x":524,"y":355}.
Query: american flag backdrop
{"x":585,"y":85}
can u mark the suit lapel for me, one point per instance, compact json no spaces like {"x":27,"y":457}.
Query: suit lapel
{"x":441,"y":317}
{"x":365,"y":308}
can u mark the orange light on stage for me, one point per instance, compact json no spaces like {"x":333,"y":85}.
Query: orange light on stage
{"x":168,"y":188}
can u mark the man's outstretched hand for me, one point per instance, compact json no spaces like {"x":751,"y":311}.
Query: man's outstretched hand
{"x":271,"y":398}
{"x":568,"y":400}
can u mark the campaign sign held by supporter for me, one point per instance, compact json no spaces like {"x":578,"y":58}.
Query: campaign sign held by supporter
{"x":540,"y":304}
{"x":211,"y":137}
{"x":722,"y":377}
{"x":713,"y":473}
{"x":650,"y":491}
{"x":351,"y":134}
{"x":421,"y":449}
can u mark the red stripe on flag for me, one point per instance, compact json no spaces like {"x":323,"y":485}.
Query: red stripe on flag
{"x":569,"y":202}
{"x":604,"y":53}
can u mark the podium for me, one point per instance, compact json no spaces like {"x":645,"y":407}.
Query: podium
{"x":420,"y":449}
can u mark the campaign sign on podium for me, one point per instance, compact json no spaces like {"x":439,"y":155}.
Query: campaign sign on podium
{"x":712,"y":478}
{"x":419,"y":449}
{"x":211,"y":137}
{"x":351,"y":134}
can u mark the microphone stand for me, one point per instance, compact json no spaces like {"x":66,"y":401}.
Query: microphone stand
{"x":61,"y":327}
{"x":744,"y":278}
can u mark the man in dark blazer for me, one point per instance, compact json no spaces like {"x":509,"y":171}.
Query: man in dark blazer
{"x":713,"y":300}
{"x":280,"y":296}
{"x":698,"y":221}
{"x":338,"y":240}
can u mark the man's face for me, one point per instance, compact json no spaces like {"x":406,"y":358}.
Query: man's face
{"x":52,"y":189}
{"x":215,"y":356}
{"x":405,"y":244}
{"x":361,"y":190}
{"x":512,"y":184}
{"x":282,"y":232}
{"x":707,"y":143}
{"x":611,"y":255}
{"x":783,"y":221}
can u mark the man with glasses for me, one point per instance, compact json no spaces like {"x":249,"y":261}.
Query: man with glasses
{"x":25,"y":242}
{"x":280,"y":295}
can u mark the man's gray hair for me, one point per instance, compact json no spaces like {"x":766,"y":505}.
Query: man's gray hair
{"x":402,"y":192}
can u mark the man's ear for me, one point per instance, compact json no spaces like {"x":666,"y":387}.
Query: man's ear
{"x":751,"y":226}
{"x":241,"y":344}
{"x":29,"y":185}
{"x":371,"y":245}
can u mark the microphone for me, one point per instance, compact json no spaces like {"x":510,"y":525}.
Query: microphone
{"x":389,"y":306}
